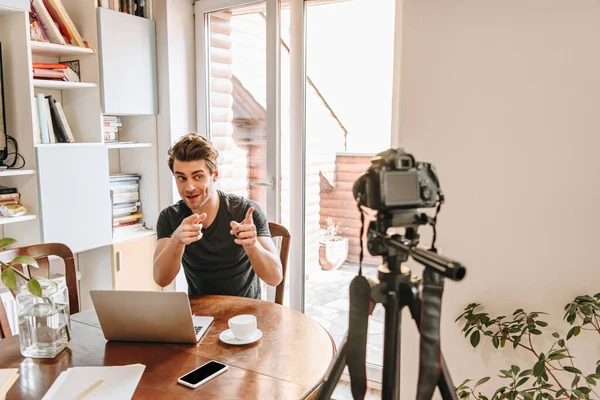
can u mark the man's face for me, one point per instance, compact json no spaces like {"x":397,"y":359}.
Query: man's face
{"x":195,"y":183}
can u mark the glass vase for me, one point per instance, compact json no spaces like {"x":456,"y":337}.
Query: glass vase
{"x":44,"y":329}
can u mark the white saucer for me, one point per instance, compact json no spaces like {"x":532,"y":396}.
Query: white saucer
{"x":227,"y":337}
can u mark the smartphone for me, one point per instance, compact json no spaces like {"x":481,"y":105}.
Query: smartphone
{"x":202,"y":374}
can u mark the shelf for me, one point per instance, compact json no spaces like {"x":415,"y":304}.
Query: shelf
{"x":14,"y":220}
{"x":127,"y":145}
{"x":15,"y":172}
{"x":40,"y":83}
{"x":58,"y":50}
{"x":132,"y":236}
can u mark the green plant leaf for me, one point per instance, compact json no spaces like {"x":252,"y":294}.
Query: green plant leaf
{"x":9,"y":278}
{"x":561,"y":342}
{"x":538,"y":369}
{"x":525,"y":372}
{"x":575,"y":381}
{"x":584,"y":389}
{"x":515,"y":370}
{"x":573,"y":370}
{"x":505,"y":374}
{"x":475,"y":338}
{"x":25,"y":260}
{"x":34,"y":287}
{"x":4,"y":242}
{"x":538,"y":397}
{"x":496,"y":341}
{"x":526,"y":395}
{"x":522,"y":381}
{"x":556,"y":335}
{"x":572,"y":332}
{"x":481,"y":381}
{"x":590,"y":380}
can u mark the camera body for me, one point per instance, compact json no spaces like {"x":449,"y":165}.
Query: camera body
{"x":394,"y":181}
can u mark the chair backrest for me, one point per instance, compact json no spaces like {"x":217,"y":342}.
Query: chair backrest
{"x":284,"y":249}
{"x":41,"y":252}
{"x":4,"y":325}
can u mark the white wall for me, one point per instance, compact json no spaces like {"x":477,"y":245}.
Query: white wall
{"x":176,"y":89}
{"x":503,"y":97}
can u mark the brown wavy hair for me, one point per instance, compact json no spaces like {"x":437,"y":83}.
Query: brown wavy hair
{"x":193,"y":147}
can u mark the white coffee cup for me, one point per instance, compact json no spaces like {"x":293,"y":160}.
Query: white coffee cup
{"x":242,"y":326}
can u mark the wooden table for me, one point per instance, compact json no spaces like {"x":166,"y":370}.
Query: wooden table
{"x":288,"y":362}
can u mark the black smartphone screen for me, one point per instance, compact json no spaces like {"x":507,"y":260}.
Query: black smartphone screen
{"x":202,"y":372}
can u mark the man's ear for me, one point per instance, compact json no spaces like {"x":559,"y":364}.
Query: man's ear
{"x":216,"y":175}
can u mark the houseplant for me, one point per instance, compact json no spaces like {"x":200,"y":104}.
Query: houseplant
{"x":42,"y":307}
{"x":333,"y":248}
{"x":552,"y":373}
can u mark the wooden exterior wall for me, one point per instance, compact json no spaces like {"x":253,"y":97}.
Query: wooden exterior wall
{"x":337,"y":202}
{"x":233,"y":162}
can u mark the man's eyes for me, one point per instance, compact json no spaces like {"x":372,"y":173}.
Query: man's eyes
{"x":197,"y":177}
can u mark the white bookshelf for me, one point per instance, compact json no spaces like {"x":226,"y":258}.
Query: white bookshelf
{"x":62,"y":85}
{"x":16,"y":172}
{"x":59,"y":50}
{"x":127,"y":145}
{"x":79,"y":215}
{"x":14,"y":220}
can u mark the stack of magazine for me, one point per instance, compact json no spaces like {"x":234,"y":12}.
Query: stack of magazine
{"x":126,"y":205}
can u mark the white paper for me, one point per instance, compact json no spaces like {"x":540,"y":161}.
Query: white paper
{"x":7,"y":376}
{"x":119,"y":382}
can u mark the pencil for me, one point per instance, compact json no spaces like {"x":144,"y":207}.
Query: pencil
{"x":94,"y":386}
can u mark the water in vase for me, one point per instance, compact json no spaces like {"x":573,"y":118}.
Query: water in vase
{"x":43,"y":330}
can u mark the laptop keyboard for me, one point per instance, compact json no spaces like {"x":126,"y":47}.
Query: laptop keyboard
{"x":198,"y":329}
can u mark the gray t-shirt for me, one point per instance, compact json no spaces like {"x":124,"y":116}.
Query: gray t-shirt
{"x":215,"y":264}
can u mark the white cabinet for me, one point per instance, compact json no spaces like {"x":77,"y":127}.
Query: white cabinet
{"x":75,"y":195}
{"x":127,"y":48}
{"x":18,"y":5}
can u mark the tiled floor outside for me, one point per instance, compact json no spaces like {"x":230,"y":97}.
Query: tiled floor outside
{"x":327,"y":303}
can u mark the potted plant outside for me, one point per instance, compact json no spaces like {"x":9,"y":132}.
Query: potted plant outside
{"x":333,"y":248}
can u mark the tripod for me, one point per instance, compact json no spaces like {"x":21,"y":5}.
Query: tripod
{"x":396,"y":289}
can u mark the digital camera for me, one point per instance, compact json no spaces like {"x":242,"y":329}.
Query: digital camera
{"x":395,"y":181}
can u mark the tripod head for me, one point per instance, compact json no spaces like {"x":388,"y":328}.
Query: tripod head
{"x":396,"y":249}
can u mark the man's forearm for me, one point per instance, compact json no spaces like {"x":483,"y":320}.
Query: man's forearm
{"x":266,"y":264}
{"x":168,"y":262}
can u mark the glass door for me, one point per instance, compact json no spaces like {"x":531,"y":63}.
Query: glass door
{"x":342,"y":95}
{"x":237,"y":44}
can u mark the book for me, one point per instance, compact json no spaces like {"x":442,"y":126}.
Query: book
{"x":63,"y":117}
{"x":49,"y":65}
{"x":36,"y":121}
{"x":51,"y":134}
{"x":8,"y":190}
{"x":43,"y":73}
{"x":44,"y":132}
{"x":48,"y":24}
{"x":65,"y":24}
{"x":57,"y":123}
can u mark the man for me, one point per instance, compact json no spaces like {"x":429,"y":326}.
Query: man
{"x":222,"y":240}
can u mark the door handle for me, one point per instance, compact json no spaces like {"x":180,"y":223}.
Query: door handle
{"x":119,"y":260}
{"x":268,"y":183}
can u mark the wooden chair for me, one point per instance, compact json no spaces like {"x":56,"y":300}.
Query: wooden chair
{"x":41,"y":252}
{"x":284,"y":249}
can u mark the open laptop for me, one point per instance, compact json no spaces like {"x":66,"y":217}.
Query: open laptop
{"x":139,"y":316}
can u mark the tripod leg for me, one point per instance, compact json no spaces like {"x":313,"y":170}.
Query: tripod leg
{"x":332,"y":376}
{"x":391,"y":350}
{"x":444,"y":384}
